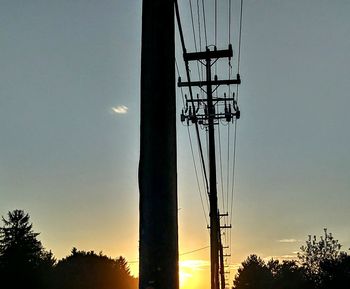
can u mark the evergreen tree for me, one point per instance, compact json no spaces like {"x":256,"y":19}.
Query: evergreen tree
{"x":23,"y":260}
{"x":88,"y":270}
{"x":254,"y":274}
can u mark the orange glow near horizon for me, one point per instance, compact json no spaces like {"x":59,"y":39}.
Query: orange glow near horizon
{"x":192,"y":273}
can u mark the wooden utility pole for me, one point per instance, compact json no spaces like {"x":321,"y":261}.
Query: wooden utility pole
{"x":157,"y":168}
{"x":213,"y":199}
{"x":209,"y":117}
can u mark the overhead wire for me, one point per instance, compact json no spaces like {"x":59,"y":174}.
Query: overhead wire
{"x":193,"y":158}
{"x":191,"y":93}
{"x":194,"y":36}
{"x":235,"y":124}
{"x":180,"y":254}
{"x":193,"y":251}
{"x":193,"y":29}
{"x":237,"y":95}
{"x":240,"y":37}
{"x":205,"y":24}
{"x":221,"y":172}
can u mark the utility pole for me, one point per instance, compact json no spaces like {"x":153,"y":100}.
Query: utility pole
{"x":158,"y":229}
{"x":204,"y":111}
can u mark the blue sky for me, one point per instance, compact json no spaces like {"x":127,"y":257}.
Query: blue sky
{"x":71,"y":161}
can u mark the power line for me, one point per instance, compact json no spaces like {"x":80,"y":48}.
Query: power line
{"x":240,"y":37}
{"x":193,"y":30}
{"x":190,"y":89}
{"x":181,"y":254}
{"x":193,"y":158}
{"x":205,"y":25}
{"x":216,"y":22}
{"x":193,"y":251}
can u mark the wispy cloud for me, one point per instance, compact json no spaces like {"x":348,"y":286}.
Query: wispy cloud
{"x":194,"y":264}
{"x":120,"y":109}
{"x":288,"y":241}
{"x":281,"y":257}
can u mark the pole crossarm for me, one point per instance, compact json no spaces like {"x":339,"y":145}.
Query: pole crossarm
{"x":209,"y":54}
{"x":211,"y":82}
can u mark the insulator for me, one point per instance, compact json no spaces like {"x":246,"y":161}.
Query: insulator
{"x":235,"y":106}
{"x":228,"y":115}
{"x":238,"y":114}
{"x":183,"y":117}
{"x":215,"y":77}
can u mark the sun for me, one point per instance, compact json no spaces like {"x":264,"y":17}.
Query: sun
{"x":193,"y":274}
{"x":185,"y":279}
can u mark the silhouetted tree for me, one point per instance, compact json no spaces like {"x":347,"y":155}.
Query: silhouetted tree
{"x":317,"y":251}
{"x":23,"y":261}
{"x":288,"y":275}
{"x":88,"y":270}
{"x":254,"y":274}
{"x":325,"y":250}
{"x":335,"y":274}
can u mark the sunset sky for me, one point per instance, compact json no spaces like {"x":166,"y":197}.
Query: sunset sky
{"x":69,"y":128}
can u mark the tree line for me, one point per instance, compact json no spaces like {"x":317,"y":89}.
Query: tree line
{"x":320,"y":265}
{"x":26,"y":264}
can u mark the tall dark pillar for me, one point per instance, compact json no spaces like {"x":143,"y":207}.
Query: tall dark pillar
{"x":157,"y":167}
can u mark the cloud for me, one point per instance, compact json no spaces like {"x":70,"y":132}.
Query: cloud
{"x":281,"y":257}
{"x":120,"y":109}
{"x":194,"y":264}
{"x":288,"y":241}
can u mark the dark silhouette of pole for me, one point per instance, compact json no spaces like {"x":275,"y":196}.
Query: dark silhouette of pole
{"x":214,"y":218}
{"x":222,"y":266}
{"x":157,"y":168}
{"x":209,"y":118}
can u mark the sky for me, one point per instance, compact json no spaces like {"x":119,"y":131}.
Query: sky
{"x":69,"y":127}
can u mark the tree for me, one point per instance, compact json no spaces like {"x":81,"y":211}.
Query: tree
{"x":317,"y":251}
{"x":336,"y":273}
{"x":88,"y":270}
{"x":323,"y":260}
{"x":23,"y":259}
{"x":288,"y":275}
{"x":254,"y":274}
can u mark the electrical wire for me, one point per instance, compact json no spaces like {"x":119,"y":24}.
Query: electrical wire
{"x":205,"y":24}
{"x":181,"y":254}
{"x":193,"y":158}
{"x":193,"y":251}
{"x":221,"y":171}
{"x":240,"y":37}
{"x":191,"y":94}
{"x":216,"y":22}
{"x":193,"y":30}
